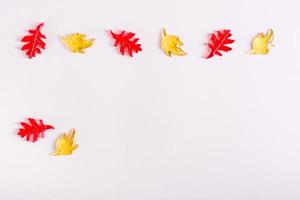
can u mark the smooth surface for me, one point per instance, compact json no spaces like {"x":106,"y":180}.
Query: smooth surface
{"x":152,"y":127}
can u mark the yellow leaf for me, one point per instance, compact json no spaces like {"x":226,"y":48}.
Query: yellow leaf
{"x":260,"y":44}
{"x":76,"y":42}
{"x":65,"y":144}
{"x":170,"y":44}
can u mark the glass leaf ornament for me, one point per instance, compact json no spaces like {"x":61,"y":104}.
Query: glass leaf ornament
{"x":33,"y":129}
{"x":65,"y":144}
{"x":34,"y":42}
{"x":76,"y":42}
{"x":170,"y":44}
{"x":127,"y":42}
{"x":218,"y":42}
{"x":262,"y":42}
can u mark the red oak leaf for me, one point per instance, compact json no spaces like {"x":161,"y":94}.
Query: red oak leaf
{"x":127,"y":42}
{"x":33,"y":130}
{"x":34,"y":42}
{"x":218,"y":42}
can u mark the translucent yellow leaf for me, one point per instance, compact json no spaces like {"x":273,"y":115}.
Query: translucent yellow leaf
{"x":170,"y":44}
{"x":76,"y":42}
{"x":65,"y":144}
{"x":261,"y":43}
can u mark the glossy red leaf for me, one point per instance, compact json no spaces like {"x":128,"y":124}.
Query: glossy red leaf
{"x":218,"y":42}
{"x":34,"y":42}
{"x":33,"y":129}
{"x":126,"y":42}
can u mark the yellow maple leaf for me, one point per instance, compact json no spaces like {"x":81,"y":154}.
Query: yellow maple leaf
{"x":76,"y":42}
{"x":170,"y":44}
{"x":260,"y":44}
{"x":65,"y":144}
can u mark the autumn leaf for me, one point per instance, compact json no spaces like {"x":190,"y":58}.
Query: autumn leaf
{"x":260,"y":44}
{"x":218,"y":41}
{"x":76,"y":42}
{"x":34,"y":42}
{"x":33,"y":130}
{"x":65,"y":144}
{"x":127,"y":42}
{"x":170,"y":44}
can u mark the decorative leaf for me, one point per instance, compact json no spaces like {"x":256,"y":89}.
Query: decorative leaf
{"x":65,"y":144}
{"x":127,"y":42}
{"x":76,"y":42}
{"x":170,"y":44}
{"x":218,"y":42}
{"x":260,"y":44}
{"x":33,"y":130}
{"x":34,"y":42}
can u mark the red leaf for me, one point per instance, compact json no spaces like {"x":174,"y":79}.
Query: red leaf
{"x":218,"y":42}
{"x":126,"y":42}
{"x":33,"y":130}
{"x":34,"y":42}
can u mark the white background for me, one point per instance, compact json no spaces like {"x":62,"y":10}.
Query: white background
{"x":152,"y":127}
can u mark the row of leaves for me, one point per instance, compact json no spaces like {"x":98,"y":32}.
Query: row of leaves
{"x":128,"y":43}
{"x":35,"y":129}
